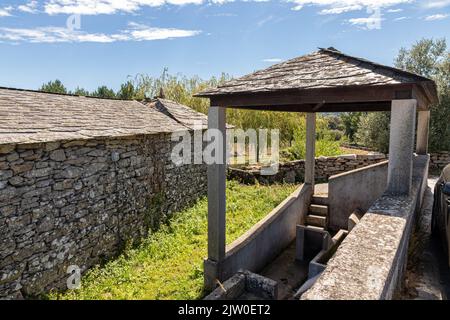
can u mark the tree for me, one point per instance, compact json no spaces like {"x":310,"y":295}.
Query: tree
{"x":81,"y":92}
{"x":373,"y":131}
{"x":127,"y":91}
{"x":104,"y":92}
{"x":351,"y":123}
{"x":54,"y":87}
{"x":429,"y":58}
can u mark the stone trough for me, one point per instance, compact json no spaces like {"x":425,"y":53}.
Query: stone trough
{"x":246,"y":285}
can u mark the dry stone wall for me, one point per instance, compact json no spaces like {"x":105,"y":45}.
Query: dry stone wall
{"x":439,"y":160}
{"x":325,"y":167}
{"x":78,"y":202}
{"x":293,"y":172}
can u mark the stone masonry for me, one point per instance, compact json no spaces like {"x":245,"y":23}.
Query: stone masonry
{"x":76,"y":203}
{"x":293,"y":171}
{"x":79,"y":178}
{"x":325,"y":167}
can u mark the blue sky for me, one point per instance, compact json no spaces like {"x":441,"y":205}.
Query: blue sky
{"x":89,"y":43}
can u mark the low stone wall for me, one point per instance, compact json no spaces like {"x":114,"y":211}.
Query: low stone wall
{"x":439,"y":160}
{"x":76,"y":203}
{"x":294,"y":171}
{"x":370,"y":263}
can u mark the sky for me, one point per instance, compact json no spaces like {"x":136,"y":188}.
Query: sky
{"x":88,"y":43}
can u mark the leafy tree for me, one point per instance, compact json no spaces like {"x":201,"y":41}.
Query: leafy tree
{"x":54,"y":87}
{"x":373,"y":131}
{"x":127,"y":91}
{"x":81,"y":92}
{"x":351,"y":121}
{"x":104,"y":92}
{"x":431,"y":59}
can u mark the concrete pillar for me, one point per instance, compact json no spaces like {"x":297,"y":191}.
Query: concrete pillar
{"x":310,"y":148}
{"x":216,"y":189}
{"x":401,"y":146}
{"x":423,"y":125}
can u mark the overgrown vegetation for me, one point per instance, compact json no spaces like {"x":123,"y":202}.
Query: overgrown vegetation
{"x":168,"y":264}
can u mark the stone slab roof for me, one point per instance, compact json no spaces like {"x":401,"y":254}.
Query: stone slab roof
{"x":326,"y":68}
{"x":180,"y":113}
{"x":30,"y":117}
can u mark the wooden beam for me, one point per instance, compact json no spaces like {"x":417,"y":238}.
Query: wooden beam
{"x":329,"y":107}
{"x":348,"y":94}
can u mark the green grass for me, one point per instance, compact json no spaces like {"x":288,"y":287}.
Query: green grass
{"x":169,"y":263}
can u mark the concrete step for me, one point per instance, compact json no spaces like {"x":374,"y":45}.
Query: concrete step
{"x":318,"y":210}
{"x":319,"y":221}
{"x":320,"y":199}
{"x":315,"y":228}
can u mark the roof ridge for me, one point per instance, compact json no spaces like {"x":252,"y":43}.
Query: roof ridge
{"x":63,"y":94}
{"x":376,"y":64}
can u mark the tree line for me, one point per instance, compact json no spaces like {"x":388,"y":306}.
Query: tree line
{"x":427,"y":57}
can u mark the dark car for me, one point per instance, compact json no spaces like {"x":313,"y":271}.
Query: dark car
{"x":441,"y":211}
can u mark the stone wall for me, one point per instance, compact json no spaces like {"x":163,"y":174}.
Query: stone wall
{"x":439,"y":160}
{"x":294,"y":171}
{"x":78,"y":202}
{"x":326,"y":167}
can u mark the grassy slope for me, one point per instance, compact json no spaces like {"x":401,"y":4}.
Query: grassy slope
{"x":168,"y":265}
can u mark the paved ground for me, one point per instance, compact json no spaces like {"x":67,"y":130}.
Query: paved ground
{"x":427,"y":276}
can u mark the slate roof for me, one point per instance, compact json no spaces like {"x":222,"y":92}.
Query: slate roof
{"x":326,"y":68}
{"x":180,"y":113}
{"x":30,"y":116}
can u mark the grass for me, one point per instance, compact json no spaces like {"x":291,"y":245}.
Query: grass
{"x":169,"y":263}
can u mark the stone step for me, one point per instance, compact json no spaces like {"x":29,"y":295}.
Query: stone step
{"x":320,"y":199}
{"x":318,"y":210}
{"x":319,"y":221}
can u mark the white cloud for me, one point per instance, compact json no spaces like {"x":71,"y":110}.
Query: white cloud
{"x":30,"y":7}
{"x":341,"y":6}
{"x":264,"y":21}
{"x":135,"y":32}
{"x":5,"y":12}
{"x":401,"y":18}
{"x":339,"y":10}
{"x":436,"y":4}
{"x":89,"y":7}
{"x":435,"y":17}
{"x":367,"y":23}
{"x":272,"y":60}
{"x":394,"y":10}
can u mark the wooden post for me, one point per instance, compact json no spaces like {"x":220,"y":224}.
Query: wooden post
{"x":423,"y":125}
{"x":401,"y":146}
{"x":310,"y":148}
{"x":216,"y":189}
